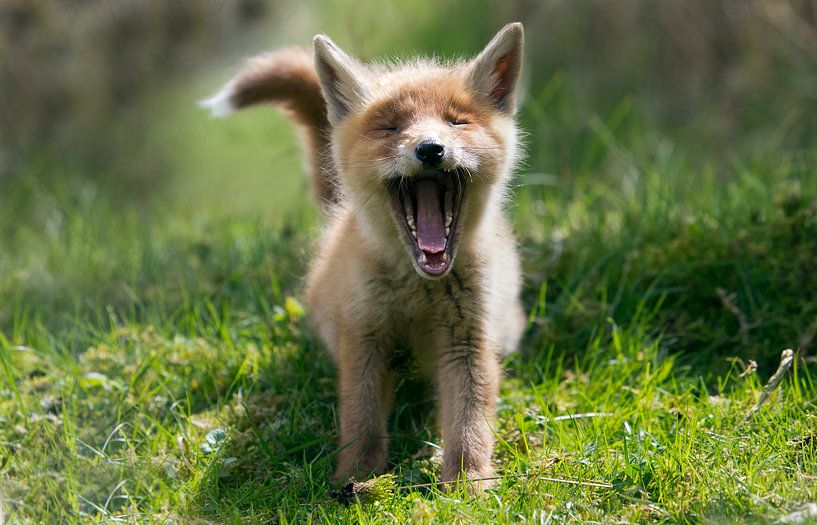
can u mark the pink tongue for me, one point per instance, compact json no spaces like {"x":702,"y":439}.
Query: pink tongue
{"x":430,"y":228}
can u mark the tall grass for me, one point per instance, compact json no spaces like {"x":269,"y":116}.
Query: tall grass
{"x":156,"y":366}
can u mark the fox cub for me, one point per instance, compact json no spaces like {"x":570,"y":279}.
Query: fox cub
{"x":410,"y":163}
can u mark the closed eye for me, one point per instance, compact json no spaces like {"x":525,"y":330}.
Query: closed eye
{"x":458,"y":122}
{"x":384,"y":132}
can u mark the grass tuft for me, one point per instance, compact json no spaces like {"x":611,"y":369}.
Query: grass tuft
{"x":157,"y":366}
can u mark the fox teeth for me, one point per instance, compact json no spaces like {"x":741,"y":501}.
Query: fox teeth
{"x":447,"y":231}
{"x":408,"y":207}
{"x":444,"y":258}
{"x":449,"y":218}
{"x":423,"y":259}
{"x":410,"y":221}
{"x":449,"y":205}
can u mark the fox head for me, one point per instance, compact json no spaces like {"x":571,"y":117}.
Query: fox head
{"x":421,"y":151}
{"x":424,"y":149}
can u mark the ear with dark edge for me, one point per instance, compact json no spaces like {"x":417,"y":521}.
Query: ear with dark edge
{"x":495,"y":71}
{"x":343,"y":79}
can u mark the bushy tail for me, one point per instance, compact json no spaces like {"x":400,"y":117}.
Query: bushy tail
{"x":287,"y":79}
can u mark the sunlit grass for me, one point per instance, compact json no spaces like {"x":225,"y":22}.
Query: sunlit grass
{"x":156,"y":365}
{"x":160,"y":369}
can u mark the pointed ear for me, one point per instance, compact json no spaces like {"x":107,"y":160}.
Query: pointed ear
{"x":343,"y":79}
{"x":495,"y":71}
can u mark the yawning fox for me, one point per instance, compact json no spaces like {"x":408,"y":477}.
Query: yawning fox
{"x":410,"y":163}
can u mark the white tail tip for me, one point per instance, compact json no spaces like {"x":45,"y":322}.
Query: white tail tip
{"x":220,"y":104}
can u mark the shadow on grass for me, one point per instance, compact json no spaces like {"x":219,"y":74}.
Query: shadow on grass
{"x":280,"y":446}
{"x":742,"y":289}
{"x":229,"y":351}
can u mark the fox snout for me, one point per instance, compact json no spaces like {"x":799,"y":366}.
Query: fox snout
{"x":430,"y":153}
{"x":422,"y":152}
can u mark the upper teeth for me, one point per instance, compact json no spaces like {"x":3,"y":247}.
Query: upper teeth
{"x":448,"y":204}
{"x":408,"y":207}
{"x":448,"y":209}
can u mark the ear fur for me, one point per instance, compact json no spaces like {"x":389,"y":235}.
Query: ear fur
{"x":343,"y":79}
{"x":494,"y":73}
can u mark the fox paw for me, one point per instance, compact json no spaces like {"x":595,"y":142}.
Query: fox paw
{"x":358,"y":470}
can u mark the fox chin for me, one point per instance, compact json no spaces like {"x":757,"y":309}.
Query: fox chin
{"x":410,"y":163}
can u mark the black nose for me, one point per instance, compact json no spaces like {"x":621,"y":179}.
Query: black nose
{"x":430,"y":153}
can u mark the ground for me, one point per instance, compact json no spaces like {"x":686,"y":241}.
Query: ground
{"x":156,"y":365}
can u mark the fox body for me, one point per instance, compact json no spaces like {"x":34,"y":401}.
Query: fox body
{"x":410,"y":163}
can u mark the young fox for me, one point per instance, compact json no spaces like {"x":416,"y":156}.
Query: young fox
{"x":410,"y":164}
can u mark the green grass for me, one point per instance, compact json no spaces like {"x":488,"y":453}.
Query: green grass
{"x":129,"y":340}
{"x":156,"y":366}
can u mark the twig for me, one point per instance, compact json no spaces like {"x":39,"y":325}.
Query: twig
{"x":808,"y":336}
{"x":568,"y":481}
{"x":728,"y":301}
{"x":786,"y":360}
{"x":586,"y":415}
{"x":751,"y":368}
{"x":381,"y":487}
{"x":353,"y":491}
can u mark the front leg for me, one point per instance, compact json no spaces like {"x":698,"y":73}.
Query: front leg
{"x":365,"y":399}
{"x":467,"y":382}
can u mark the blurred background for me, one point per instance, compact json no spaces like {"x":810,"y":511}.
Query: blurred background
{"x":104,"y":91}
{"x":98,"y":118}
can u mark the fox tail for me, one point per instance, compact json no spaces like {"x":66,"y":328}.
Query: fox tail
{"x":287,"y":79}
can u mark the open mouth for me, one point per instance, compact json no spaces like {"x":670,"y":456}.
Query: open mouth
{"x":428,"y":207}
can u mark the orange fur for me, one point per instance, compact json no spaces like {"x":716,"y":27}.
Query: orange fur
{"x":287,"y":78}
{"x":375,"y":283}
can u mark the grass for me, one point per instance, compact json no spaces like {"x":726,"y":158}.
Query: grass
{"x":156,"y":366}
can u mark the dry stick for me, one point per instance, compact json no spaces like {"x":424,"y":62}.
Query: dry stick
{"x":728,"y":301}
{"x":586,"y":415}
{"x":751,"y":368}
{"x":371,"y":490}
{"x":362,"y":490}
{"x":808,"y":336}
{"x":592,"y":483}
{"x":786,"y":360}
